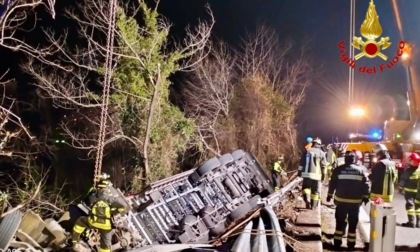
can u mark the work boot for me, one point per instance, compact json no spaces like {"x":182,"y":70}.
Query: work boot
{"x":351,"y":246}
{"x":308,"y":205}
{"x":314,"y":204}
{"x":410,"y":222}
{"x":418,"y":221}
{"x":337,"y":244}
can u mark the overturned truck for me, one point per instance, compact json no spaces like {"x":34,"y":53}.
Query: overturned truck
{"x":192,"y":207}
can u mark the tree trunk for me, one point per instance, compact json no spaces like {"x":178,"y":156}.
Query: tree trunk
{"x":149,"y":123}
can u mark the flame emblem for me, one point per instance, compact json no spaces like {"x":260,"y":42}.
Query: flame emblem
{"x":371,"y":30}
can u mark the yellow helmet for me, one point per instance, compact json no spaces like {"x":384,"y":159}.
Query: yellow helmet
{"x":104,"y":180}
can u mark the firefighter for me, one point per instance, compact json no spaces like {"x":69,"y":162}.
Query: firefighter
{"x":331,"y":163}
{"x":359,"y":157}
{"x":311,"y":169}
{"x":105,"y":205}
{"x":408,"y":182}
{"x":350,"y":184}
{"x":278,"y":173}
{"x":383,"y":176}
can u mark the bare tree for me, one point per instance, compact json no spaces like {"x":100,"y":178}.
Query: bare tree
{"x":207,"y":94}
{"x":71,"y":77}
{"x":248,"y":98}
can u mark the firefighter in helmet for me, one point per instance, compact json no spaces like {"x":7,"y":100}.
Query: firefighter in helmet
{"x":278,"y":172}
{"x":408,"y":181}
{"x":311,"y":169}
{"x":103,"y":206}
{"x":383,"y":176}
{"x":331,"y":163}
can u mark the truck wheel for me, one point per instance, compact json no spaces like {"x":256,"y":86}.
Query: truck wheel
{"x":8,"y":227}
{"x":240,"y":212}
{"x":238,"y":154}
{"x":226,"y":159}
{"x":209,"y":165}
{"x":253,"y":202}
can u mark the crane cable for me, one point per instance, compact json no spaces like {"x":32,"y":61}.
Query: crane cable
{"x":351,"y":50}
{"x":105,"y":92}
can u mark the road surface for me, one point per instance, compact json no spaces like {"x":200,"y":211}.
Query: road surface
{"x":404,"y":236}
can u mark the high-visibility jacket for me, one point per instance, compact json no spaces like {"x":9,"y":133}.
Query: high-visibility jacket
{"x":102,"y":210}
{"x":350,"y":184}
{"x":384,"y":174}
{"x":313,"y":163}
{"x":277,"y":167}
{"x":331,"y":159}
{"x":410,"y":178}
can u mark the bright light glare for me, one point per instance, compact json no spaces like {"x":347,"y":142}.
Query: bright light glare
{"x":417,"y":136}
{"x":375,"y":135}
{"x":357,"y":112}
{"x":352,"y":135}
{"x":405,"y":56}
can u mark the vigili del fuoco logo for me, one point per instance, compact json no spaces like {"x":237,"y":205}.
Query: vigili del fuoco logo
{"x":372,"y":46}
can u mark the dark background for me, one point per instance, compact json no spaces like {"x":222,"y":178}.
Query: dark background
{"x":322,"y":23}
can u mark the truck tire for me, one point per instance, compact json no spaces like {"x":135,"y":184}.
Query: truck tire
{"x":226,"y":159}
{"x":253,"y":202}
{"x":9,"y":224}
{"x":209,"y":165}
{"x":238,"y":154}
{"x":240,"y":212}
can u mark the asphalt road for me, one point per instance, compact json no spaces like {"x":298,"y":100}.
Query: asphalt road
{"x":404,"y":236}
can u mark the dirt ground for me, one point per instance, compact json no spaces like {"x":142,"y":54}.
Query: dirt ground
{"x":328,"y":226}
{"x":287,"y":213}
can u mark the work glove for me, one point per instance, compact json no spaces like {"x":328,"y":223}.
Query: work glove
{"x":365,"y":201}
{"x":329,"y":198}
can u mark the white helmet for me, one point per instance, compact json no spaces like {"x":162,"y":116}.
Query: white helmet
{"x":379,"y":147}
{"x":317,"y":140}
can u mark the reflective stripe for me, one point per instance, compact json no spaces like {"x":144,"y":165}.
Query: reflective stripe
{"x":417,"y":201}
{"x":355,"y":201}
{"x":350,"y":176}
{"x":411,"y":211}
{"x":312,"y":175}
{"x":387,"y":198}
{"x":336,"y":237}
{"x":351,"y":239}
{"x":352,"y":234}
{"x":315,"y":196}
{"x":78,"y":229}
{"x":385,"y":184}
{"x":417,"y":211}
{"x":104,"y":250}
{"x":410,"y":189}
{"x":307,"y":191}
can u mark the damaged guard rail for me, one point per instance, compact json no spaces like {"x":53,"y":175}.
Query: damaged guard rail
{"x":261,"y":230}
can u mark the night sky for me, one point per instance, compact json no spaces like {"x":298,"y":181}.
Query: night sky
{"x":324,"y":23}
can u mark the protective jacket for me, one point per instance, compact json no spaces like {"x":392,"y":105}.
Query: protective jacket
{"x":331,"y":159}
{"x":103,"y":208}
{"x":350,"y":184}
{"x":277,"y":167}
{"x":313,"y":163}
{"x":383,"y":177}
{"x":409,"y":179}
